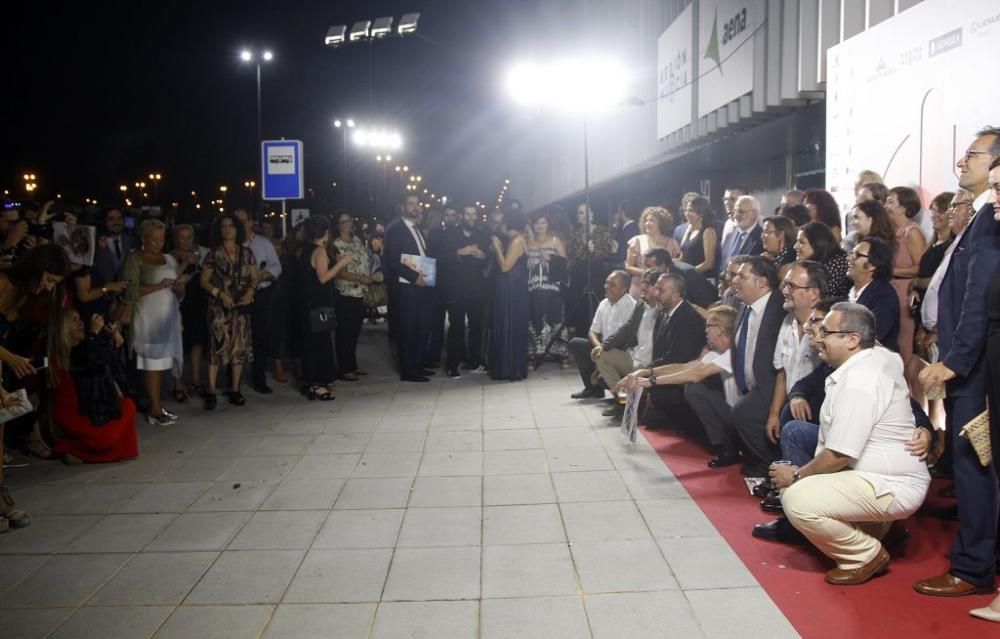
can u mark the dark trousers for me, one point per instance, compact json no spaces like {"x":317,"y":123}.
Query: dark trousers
{"x":260,"y":326}
{"x":435,"y":341}
{"x":463,"y":311}
{"x":580,"y":348}
{"x":413,"y":323}
{"x":350,"y":318}
{"x":749,"y":418}
{"x":710,"y":407}
{"x":973,"y":553}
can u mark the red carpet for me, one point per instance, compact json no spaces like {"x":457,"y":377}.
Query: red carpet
{"x":885,"y":607}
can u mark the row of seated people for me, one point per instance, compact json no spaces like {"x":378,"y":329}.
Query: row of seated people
{"x":752,"y":381}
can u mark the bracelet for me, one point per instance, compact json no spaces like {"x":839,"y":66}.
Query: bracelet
{"x":652,"y":380}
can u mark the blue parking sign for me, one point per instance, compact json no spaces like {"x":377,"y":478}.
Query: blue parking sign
{"x":281,"y":170}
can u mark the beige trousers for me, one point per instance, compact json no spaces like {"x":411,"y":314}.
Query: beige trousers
{"x":614,"y":365}
{"x":840,"y":514}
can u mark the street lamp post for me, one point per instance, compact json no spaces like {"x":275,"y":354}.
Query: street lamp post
{"x":249,"y":57}
{"x":344,"y":125}
{"x":155,"y":179}
{"x":250,"y":184}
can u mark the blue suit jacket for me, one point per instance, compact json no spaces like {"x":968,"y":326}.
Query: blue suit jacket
{"x":881,"y":299}
{"x":753,"y":244}
{"x":962,"y":320}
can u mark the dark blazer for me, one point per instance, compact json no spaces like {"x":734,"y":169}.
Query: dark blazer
{"x":628,"y":335}
{"x":399,"y":240}
{"x":459,"y":276}
{"x":752,"y":244}
{"x":881,"y":299}
{"x":962,"y":319}
{"x":107,"y":268}
{"x":699,"y":290}
{"x":764,"y":372}
{"x":679,"y":339}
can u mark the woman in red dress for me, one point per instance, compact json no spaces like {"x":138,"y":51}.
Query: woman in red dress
{"x":97,"y":421}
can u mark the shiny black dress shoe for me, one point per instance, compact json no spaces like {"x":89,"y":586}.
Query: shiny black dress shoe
{"x":588,"y":393}
{"x":772,"y":504}
{"x":780,"y":530}
{"x":723,"y":459}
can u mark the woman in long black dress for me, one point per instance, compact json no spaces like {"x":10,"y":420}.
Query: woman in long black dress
{"x":509,"y":340}
{"x":700,"y":241}
{"x":319,"y":366}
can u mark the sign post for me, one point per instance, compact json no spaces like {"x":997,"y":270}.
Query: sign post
{"x":282,"y":176}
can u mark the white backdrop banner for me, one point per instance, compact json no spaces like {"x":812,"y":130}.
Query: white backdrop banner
{"x":674,"y":75}
{"x":725,"y":40}
{"x":906,"y":97}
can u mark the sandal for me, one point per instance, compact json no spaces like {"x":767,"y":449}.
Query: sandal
{"x":180,"y":396}
{"x":322,"y":393}
{"x":41,"y":450}
{"x":14,"y":518}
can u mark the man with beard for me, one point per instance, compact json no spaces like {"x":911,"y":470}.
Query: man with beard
{"x":462,"y":253}
{"x":114,"y":247}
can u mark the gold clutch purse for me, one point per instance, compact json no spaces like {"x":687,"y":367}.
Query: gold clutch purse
{"x":977,"y":431}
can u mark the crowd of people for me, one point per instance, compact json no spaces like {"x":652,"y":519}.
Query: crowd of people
{"x":833,"y":358}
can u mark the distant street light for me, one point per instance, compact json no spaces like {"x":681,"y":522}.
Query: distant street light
{"x":250,"y":184}
{"x":378,"y":139}
{"x":248,"y":57}
{"x":155,"y":179}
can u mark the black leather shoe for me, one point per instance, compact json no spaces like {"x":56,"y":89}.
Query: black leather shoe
{"x":772,"y":504}
{"x":263,"y":389}
{"x":415,"y":378}
{"x":723,"y":459}
{"x":763,"y":490}
{"x":427,"y":372}
{"x":780,"y":530}
{"x":236,"y":398}
{"x":588,"y":393}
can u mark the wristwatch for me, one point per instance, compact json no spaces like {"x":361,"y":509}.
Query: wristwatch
{"x":104,"y":290}
{"x":795,"y":476}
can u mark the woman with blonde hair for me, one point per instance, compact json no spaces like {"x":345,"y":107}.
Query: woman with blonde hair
{"x":656,"y":225}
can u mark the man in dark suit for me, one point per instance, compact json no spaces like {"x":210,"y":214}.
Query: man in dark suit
{"x":411,"y":297}
{"x":113,"y":248}
{"x":700,"y":291}
{"x":754,"y":344}
{"x":871,"y":271}
{"x":746,"y":236}
{"x":962,"y":324}
{"x":678,"y":337}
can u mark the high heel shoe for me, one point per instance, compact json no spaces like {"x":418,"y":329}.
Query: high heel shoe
{"x":322,"y":393}
{"x":15,"y":518}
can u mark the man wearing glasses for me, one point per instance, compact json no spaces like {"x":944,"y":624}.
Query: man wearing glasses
{"x":862,"y":477}
{"x":962,"y":326}
{"x":870,"y":268}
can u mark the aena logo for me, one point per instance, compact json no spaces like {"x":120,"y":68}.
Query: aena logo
{"x":732,"y":28}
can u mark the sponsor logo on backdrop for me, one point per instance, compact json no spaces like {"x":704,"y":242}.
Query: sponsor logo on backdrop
{"x":946,"y":42}
{"x":674,"y":75}
{"x":731,"y":29}
{"x":985,"y":23}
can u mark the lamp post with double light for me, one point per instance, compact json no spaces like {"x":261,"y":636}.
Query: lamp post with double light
{"x":249,"y":56}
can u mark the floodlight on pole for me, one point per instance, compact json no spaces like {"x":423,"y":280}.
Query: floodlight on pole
{"x":376,"y":29}
{"x":581,"y":85}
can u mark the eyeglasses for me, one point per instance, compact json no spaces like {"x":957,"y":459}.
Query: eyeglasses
{"x":971,"y":152}
{"x":855,"y":255}
{"x":823,"y":333}
{"x":955,"y":205}
{"x":794,"y":286}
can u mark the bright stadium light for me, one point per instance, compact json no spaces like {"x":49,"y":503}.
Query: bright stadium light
{"x":570,"y":84}
{"x":246,"y":55}
{"x":378,"y":139}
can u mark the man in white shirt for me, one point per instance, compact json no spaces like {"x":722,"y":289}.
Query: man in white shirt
{"x":795,"y":357}
{"x":631,"y":346}
{"x":715,"y":359}
{"x":268,"y":270}
{"x":612,"y":313}
{"x":862,"y":478}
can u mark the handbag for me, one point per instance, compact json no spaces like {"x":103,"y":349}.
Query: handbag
{"x":977,"y":431}
{"x":323,"y":319}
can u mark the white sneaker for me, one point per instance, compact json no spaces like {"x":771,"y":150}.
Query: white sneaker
{"x":162,"y":420}
{"x":480,"y":369}
{"x":172,"y":416}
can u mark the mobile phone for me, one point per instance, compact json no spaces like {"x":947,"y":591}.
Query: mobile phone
{"x":41,"y":362}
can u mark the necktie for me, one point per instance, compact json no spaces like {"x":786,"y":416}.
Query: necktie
{"x":118,"y":248}
{"x":739,"y":368}
{"x":420,"y":241}
{"x":740,"y":236}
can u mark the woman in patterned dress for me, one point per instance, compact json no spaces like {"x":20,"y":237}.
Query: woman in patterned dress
{"x":229,"y":276}
{"x":352,"y":283}
{"x":544,"y":298}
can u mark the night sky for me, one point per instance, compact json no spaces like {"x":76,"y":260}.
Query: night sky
{"x":104,"y":93}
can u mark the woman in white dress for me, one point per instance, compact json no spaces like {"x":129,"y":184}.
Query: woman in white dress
{"x":154,"y":289}
{"x":657,"y":225}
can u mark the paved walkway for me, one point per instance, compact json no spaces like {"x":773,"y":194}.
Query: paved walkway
{"x":457,"y":508}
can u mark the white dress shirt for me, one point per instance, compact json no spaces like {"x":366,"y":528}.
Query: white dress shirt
{"x":855,"y":292}
{"x":264,"y":253}
{"x":611,"y":317}
{"x":795,"y":355}
{"x":867,"y":416}
{"x":724,"y":361}
{"x":642,"y":352}
{"x":753,"y":328}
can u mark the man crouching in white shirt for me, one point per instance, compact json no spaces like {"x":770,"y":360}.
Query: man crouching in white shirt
{"x":862,"y":478}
